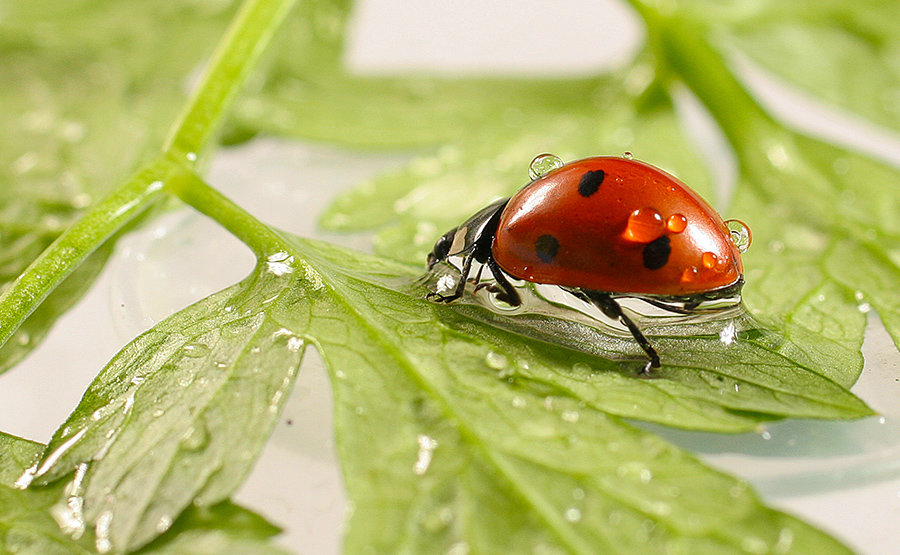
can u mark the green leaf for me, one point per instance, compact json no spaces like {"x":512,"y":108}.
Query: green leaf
{"x":517,"y":427}
{"x":27,"y":527}
{"x":159,"y":422}
{"x":479,"y":453}
{"x":307,"y":93}
{"x":18,"y":454}
{"x":839,"y":231}
{"x":847,"y":55}
{"x":88,"y":91}
{"x":224,"y":528}
{"x":27,"y":524}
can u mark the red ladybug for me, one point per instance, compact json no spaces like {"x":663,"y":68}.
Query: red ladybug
{"x":602,"y":228}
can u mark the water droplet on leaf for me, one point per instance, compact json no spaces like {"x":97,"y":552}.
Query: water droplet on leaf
{"x":195,"y":350}
{"x":427,"y":445}
{"x":497,"y":361}
{"x":570,"y":416}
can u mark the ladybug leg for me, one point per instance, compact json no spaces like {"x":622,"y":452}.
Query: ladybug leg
{"x":611,"y":308}
{"x":460,"y":285}
{"x":509,"y":294}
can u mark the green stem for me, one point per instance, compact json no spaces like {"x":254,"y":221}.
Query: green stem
{"x":246,"y":39}
{"x":685,"y":53}
{"x":190,"y":188}
{"x":75,"y":244}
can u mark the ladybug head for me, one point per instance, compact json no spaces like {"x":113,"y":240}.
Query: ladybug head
{"x":441,"y":248}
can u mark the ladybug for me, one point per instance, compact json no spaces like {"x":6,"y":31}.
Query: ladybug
{"x":602,"y":228}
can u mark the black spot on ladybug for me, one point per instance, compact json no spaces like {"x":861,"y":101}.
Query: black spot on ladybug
{"x":656,"y":253}
{"x":546,"y":247}
{"x":590,"y":182}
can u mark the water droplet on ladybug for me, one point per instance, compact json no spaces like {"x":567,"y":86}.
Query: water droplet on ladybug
{"x":709,"y":260}
{"x":644,"y":225}
{"x":689,"y":274}
{"x":543,"y":164}
{"x":676,"y":223}
{"x":740,"y":234}
{"x":628,"y":156}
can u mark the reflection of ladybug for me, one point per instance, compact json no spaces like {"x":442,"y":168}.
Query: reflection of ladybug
{"x":601,"y":228}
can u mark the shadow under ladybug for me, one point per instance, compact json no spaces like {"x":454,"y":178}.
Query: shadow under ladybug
{"x":602,"y":228}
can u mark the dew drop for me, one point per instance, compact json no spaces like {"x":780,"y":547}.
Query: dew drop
{"x":427,"y":445}
{"x":660,"y":508}
{"x":573,"y":514}
{"x":543,"y":164}
{"x":23,"y":338}
{"x":163,"y":524}
{"x":689,"y":274}
{"x":496,"y":361}
{"x":628,"y":156}
{"x":280,"y":263}
{"x":754,"y":544}
{"x":459,"y":548}
{"x":740,"y":234}
{"x":81,"y":200}
{"x":195,"y":350}
{"x":709,"y":260}
{"x":101,"y":532}
{"x":644,"y":225}
{"x":518,"y":402}
{"x":676,"y":223}
{"x":195,"y":438}
{"x":570,"y":416}
{"x":766,"y":436}
{"x":728,"y":334}
{"x":785,"y":541}
{"x":437,"y":520}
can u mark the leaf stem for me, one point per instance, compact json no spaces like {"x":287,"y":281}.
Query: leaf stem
{"x":684,"y":52}
{"x":190,"y":188}
{"x":246,"y":39}
{"x":75,"y":244}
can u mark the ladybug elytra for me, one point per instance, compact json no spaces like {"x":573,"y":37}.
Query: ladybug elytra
{"x":602,"y":228}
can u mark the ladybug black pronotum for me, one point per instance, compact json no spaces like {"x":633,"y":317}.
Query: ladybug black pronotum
{"x":601,"y":228}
